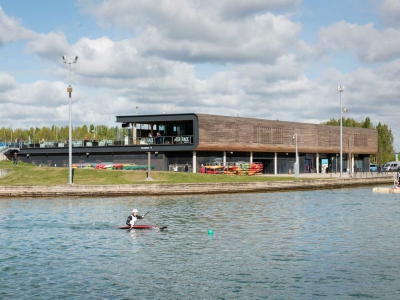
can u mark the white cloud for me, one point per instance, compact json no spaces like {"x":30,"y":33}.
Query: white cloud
{"x":197,"y":31}
{"x":50,"y":46}
{"x":367,"y":42}
{"x":239,"y":8}
{"x":7,"y":82}
{"x":390,"y":12}
{"x":11,"y":30}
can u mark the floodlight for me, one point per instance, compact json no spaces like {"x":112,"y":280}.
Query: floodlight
{"x":64,"y":59}
{"x":340,"y":88}
{"x":75,"y":59}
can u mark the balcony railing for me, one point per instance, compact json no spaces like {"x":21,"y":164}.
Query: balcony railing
{"x":163,"y":140}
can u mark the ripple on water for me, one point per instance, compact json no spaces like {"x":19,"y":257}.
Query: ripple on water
{"x":336,"y":244}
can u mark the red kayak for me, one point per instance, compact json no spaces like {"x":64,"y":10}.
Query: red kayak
{"x":142,"y":227}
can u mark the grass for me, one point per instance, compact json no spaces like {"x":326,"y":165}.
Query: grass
{"x":26,"y":174}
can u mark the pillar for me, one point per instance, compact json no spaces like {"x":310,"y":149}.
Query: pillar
{"x":224,"y":158}
{"x":194,"y":162}
{"x":134,"y":134}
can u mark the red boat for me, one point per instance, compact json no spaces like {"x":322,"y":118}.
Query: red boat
{"x":142,"y":227}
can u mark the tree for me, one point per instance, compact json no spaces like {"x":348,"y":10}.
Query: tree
{"x":385,"y":144}
{"x":385,"y":137}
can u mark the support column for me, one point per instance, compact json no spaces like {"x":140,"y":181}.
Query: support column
{"x":224,"y":158}
{"x":350,"y":160}
{"x":251,"y":157}
{"x":276,"y":163}
{"x":134,"y":134}
{"x":194,"y":162}
{"x":317,"y":162}
{"x":148,"y":166}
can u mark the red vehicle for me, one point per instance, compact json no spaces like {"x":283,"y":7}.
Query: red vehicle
{"x":100,"y":167}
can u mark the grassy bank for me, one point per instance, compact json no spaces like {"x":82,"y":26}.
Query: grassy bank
{"x":26,"y":174}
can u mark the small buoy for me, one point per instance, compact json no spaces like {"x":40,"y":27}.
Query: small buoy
{"x":210,"y":232}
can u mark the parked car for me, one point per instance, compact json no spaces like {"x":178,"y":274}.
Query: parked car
{"x":391,"y":166}
{"x":373,"y":167}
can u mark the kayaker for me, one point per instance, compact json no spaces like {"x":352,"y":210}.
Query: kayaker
{"x":133,"y":218}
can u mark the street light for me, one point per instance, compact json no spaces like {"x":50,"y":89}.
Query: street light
{"x":69,"y":90}
{"x":342,"y":110}
{"x":296,"y":164}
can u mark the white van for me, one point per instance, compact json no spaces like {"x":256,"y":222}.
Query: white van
{"x":391,"y":166}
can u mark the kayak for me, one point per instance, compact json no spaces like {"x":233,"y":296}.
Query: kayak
{"x":142,"y":227}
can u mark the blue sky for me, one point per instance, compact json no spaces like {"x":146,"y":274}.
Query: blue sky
{"x":271,"y":59}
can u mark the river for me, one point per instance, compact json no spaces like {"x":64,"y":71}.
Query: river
{"x":326,"y":244}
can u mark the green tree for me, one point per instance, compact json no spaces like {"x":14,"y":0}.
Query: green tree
{"x":385,"y":137}
{"x":367,"y":123}
{"x":385,"y":144}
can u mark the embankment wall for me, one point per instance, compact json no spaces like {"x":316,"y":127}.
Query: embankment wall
{"x":76,"y":190}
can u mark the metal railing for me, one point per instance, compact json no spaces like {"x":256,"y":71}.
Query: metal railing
{"x":162,"y":140}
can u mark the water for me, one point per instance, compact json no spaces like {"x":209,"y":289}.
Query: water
{"x":330,"y":244}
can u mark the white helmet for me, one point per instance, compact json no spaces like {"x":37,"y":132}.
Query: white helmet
{"x":134,"y":211}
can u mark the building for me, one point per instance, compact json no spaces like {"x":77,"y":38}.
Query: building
{"x":203,"y":139}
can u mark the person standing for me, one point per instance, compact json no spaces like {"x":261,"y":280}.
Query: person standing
{"x":186,"y":168}
{"x":15,"y":158}
{"x":132,"y":219}
{"x":203,"y":169}
{"x":158,"y":138}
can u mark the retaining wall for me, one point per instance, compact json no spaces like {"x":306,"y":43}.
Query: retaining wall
{"x":76,"y":190}
{"x":4,"y":172}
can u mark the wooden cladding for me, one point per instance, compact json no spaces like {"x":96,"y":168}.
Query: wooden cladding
{"x":360,"y":140}
{"x":221,"y":133}
{"x":327,"y":138}
{"x":267,"y":135}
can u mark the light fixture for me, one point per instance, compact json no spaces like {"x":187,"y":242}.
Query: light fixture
{"x":87,"y":153}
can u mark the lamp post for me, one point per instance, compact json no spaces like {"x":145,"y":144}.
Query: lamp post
{"x":341,"y":89}
{"x":69,"y":90}
{"x":296,"y":164}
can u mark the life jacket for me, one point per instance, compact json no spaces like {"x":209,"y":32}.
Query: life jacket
{"x":134,"y":220}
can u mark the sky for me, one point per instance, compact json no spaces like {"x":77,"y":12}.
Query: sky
{"x":267,"y":59}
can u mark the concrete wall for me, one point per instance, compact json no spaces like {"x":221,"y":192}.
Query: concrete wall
{"x":185,"y":188}
{"x":4,"y":172}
